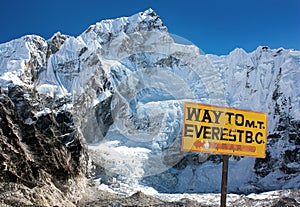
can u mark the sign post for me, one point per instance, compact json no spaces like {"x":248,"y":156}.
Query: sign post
{"x":226,"y":131}
{"x":224,"y":180}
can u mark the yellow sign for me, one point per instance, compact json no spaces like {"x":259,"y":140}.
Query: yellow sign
{"x":221,"y":130}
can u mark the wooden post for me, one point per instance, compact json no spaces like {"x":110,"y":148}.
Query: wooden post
{"x":224,"y":180}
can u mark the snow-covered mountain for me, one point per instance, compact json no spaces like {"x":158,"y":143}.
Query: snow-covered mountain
{"x":126,"y":80}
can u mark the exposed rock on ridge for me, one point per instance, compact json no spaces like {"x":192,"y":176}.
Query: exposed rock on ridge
{"x":41,"y":151}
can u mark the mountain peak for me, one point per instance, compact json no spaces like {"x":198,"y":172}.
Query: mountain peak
{"x":237,"y":51}
{"x":146,"y":21}
{"x":149,"y":12}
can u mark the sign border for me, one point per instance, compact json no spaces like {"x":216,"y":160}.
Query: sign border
{"x":217,"y":152}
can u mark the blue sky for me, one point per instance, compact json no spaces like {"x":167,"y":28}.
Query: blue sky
{"x":215,"y":26}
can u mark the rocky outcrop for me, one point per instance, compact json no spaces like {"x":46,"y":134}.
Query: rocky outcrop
{"x":42,"y":156}
{"x":55,"y":43}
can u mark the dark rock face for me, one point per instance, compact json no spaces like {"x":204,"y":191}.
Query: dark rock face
{"x":37,"y":147}
{"x":55,"y":43}
{"x":103,"y":115}
{"x":288,"y":160}
{"x":286,"y":202}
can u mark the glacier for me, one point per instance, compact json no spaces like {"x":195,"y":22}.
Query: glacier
{"x":127,"y":80}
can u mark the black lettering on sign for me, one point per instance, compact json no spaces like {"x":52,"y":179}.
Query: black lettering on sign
{"x":198,"y":131}
{"x":248,"y":138}
{"x":239,"y":119}
{"x":260,"y":124}
{"x":240,"y":132}
{"x":256,"y":138}
{"x":250,"y":124}
{"x":188,"y":129}
{"x":193,"y":112}
{"x":217,"y":116}
{"x":229,"y":115}
{"x":232,"y":135}
{"x":224,"y":133}
{"x":215,"y":133}
{"x":206,"y":117}
{"x":206,"y":132}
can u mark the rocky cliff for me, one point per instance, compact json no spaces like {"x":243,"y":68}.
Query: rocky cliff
{"x":43,"y":158}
